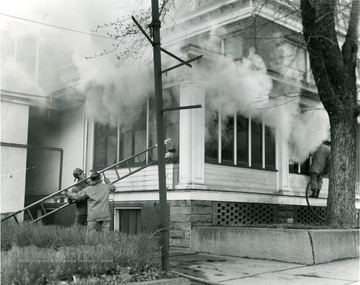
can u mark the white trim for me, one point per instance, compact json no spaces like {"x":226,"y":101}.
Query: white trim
{"x":220,"y":196}
{"x":118,"y":137}
{"x":85,"y":142}
{"x":263,"y":144}
{"x":219,"y":136}
{"x":147,"y":128}
{"x":249,"y":142}
{"x":235,"y":139}
{"x":127,"y":208}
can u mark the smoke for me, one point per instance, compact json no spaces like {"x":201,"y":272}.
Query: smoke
{"x":116,"y":90}
{"x":244,"y":87}
{"x":115,"y":95}
{"x":113,"y":90}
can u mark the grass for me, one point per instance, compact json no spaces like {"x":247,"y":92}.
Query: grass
{"x":38,"y":254}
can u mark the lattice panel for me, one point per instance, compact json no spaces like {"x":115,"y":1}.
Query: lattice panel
{"x":305,"y":216}
{"x":235,"y":214}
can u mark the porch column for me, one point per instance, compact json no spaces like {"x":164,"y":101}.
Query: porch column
{"x":282,"y":163}
{"x":357,"y":187}
{"x":192,"y":135}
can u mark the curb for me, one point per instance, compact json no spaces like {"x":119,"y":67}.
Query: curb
{"x":197,"y":279}
{"x":302,"y":246}
{"x":175,"y":281}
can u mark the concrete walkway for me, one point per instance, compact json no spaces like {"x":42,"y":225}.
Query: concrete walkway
{"x":215,"y":269}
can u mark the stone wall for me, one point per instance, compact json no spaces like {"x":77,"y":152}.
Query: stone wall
{"x":183,"y":216}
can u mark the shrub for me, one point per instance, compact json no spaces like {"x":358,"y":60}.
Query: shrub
{"x":35,"y":252}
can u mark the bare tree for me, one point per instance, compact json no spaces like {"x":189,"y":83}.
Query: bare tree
{"x":334,"y":70}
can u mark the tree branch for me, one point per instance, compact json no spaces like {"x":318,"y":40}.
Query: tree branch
{"x":313,"y":36}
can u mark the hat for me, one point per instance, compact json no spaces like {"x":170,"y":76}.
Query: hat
{"x":95,"y":178}
{"x":77,"y":172}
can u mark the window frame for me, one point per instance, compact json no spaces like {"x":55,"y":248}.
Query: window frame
{"x":149,"y":126}
{"x":235,"y":161}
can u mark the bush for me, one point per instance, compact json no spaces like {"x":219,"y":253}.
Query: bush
{"x":31,"y":253}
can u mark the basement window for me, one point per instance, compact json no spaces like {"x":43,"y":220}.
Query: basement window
{"x":127,"y":220}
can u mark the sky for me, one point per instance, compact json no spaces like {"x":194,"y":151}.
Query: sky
{"x":119,"y":88}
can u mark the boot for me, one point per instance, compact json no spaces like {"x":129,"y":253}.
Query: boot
{"x":313,"y":194}
{"x":317,"y":193}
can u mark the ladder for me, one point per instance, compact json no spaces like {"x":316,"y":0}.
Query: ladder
{"x":140,"y":166}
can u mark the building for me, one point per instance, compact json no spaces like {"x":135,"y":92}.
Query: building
{"x":234,"y":164}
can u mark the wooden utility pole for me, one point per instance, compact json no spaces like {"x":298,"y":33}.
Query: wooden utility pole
{"x":164,"y":224}
{"x":164,"y":212}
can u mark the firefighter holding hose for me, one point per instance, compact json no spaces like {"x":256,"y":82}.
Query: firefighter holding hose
{"x":320,"y":166}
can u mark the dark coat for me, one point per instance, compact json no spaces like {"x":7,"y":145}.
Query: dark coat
{"x":97,"y":197}
{"x":321,"y":159}
{"x":81,"y":206}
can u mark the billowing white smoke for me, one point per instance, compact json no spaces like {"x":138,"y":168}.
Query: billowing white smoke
{"x":244,"y":87}
{"x":114,"y":94}
{"x":115,"y":91}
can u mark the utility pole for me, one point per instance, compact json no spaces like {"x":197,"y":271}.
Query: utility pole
{"x":164,"y":224}
{"x":157,"y":49}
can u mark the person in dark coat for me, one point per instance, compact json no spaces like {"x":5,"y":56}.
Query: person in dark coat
{"x":319,"y":167}
{"x":81,"y":206}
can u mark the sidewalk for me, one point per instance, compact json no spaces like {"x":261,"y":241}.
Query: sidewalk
{"x":215,"y":269}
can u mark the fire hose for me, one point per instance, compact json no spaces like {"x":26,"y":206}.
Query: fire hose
{"x":308,"y":187}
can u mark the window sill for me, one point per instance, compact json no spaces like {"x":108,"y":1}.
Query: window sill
{"x":272,"y":169}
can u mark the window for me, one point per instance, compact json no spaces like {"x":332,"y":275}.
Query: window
{"x":269,"y":148}
{"x":227,"y":140}
{"x":256,"y":144}
{"x":303,"y":168}
{"x":133,"y":138}
{"x":234,"y":47}
{"x":116,"y":143}
{"x":105,"y":146}
{"x":243,"y":142}
{"x":128,"y":220}
{"x":211,"y":136}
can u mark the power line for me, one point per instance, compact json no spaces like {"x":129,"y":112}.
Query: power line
{"x":57,"y":27}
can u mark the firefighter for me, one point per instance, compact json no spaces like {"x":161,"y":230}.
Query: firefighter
{"x":97,"y":196}
{"x":319,"y":167}
{"x":81,"y":206}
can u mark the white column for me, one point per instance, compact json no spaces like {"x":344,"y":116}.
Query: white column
{"x":192,"y":136}
{"x":357,"y":187}
{"x":90,"y":145}
{"x":282,"y":163}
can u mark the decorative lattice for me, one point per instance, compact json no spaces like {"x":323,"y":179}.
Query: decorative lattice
{"x":304,"y":215}
{"x":235,"y":214}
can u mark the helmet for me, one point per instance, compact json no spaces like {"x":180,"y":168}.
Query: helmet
{"x":77,"y":172}
{"x":95,"y":178}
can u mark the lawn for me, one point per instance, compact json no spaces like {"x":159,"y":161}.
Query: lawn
{"x":39,"y":254}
